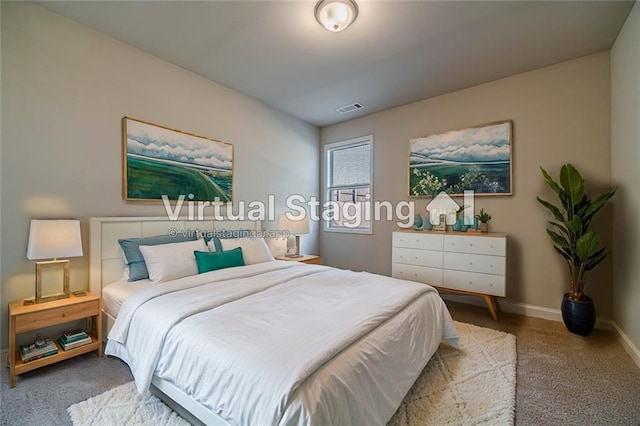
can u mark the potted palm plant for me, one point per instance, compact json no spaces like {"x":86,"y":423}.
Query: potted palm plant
{"x":576,"y":243}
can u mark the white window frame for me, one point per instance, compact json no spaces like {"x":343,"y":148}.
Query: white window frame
{"x":330,"y":147}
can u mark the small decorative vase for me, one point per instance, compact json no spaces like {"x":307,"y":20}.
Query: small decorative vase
{"x":458,"y":225}
{"x":475,"y":224}
{"x":417,"y":222}
{"x":483,"y":226}
{"x":579,"y":316}
{"x":427,"y":223}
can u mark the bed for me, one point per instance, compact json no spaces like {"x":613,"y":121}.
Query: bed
{"x":268,"y":343}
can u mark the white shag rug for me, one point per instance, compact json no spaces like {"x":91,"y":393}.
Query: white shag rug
{"x":123,"y":405}
{"x":475,"y":385}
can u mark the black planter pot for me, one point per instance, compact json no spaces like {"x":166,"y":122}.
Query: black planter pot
{"x":579,"y":316}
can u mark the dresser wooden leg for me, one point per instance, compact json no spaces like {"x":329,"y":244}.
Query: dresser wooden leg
{"x":492,"y":308}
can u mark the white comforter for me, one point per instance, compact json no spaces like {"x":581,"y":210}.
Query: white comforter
{"x":284,"y":343}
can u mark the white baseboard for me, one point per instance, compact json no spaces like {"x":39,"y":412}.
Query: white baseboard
{"x":547,"y":313}
{"x":627,"y":344}
{"x":523,"y":309}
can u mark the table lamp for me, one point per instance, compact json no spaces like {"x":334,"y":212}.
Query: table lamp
{"x":295,"y":226}
{"x":51,"y":239}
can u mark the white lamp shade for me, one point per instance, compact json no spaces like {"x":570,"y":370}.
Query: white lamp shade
{"x":51,"y":239}
{"x":295,"y":226}
{"x":336,"y":15}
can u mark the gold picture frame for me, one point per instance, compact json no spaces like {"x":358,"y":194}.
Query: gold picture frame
{"x":161,"y":161}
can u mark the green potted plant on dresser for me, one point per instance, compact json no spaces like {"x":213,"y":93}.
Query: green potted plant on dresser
{"x":576,"y":243}
{"x":483,"y":219}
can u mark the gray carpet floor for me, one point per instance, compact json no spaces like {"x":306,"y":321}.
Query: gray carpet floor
{"x":41,"y":397}
{"x":562,"y":379}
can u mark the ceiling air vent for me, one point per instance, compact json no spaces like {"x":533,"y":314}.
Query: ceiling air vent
{"x":348,"y":108}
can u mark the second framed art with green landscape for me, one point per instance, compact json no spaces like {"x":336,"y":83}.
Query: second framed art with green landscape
{"x":161,"y":161}
{"x":476,"y":159}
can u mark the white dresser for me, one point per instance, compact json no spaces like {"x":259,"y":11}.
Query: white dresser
{"x":453,"y":261}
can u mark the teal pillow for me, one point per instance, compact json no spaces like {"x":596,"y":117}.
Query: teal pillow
{"x":212,"y":261}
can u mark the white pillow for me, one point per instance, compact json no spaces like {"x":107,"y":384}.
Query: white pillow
{"x":171,"y":261}
{"x":254,"y":250}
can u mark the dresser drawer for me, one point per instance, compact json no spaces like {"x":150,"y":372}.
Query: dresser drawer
{"x":495,"y":265}
{"x":417,"y":240}
{"x":493,"y":285}
{"x":423,"y":274}
{"x":417,"y":257}
{"x":475,"y":245}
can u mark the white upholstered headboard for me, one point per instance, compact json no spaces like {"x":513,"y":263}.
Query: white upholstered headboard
{"x":106,"y":263}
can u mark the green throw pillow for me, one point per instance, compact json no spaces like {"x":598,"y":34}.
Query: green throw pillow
{"x":208,"y":261}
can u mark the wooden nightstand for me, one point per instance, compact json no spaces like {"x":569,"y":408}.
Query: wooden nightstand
{"x":305,"y":258}
{"x":24,"y":318}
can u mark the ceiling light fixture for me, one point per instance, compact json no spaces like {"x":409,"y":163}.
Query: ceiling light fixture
{"x":336,"y":15}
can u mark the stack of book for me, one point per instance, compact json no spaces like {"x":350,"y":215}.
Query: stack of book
{"x":39,"y":349}
{"x":74,"y":339}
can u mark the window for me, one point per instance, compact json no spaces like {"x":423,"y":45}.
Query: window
{"x":348,"y":186}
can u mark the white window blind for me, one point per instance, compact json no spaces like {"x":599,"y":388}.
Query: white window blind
{"x":351,"y":165}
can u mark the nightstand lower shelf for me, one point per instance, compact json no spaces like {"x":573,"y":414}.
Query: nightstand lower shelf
{"x":23,"y":367}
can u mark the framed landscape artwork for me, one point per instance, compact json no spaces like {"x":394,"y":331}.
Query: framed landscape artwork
{"x":477,"y":159}
{"x":161,"y":161}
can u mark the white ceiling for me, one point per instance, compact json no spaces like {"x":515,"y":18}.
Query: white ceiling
{"x":395,"y":53}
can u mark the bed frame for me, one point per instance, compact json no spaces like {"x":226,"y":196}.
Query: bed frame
{"x":106,"y":265}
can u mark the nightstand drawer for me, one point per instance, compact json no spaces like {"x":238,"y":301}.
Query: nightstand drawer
{"x":31,"y":321}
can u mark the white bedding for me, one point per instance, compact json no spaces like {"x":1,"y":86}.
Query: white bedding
{"x":284,"y":343}
{"x":114,"y":294}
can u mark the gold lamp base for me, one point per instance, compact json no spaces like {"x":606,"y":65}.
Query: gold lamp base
{"x":49,"y":286}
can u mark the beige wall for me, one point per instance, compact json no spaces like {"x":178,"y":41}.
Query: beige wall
{"x":560,"y":114}
{"x":65,"y":89}
{"x":625,"y":148}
